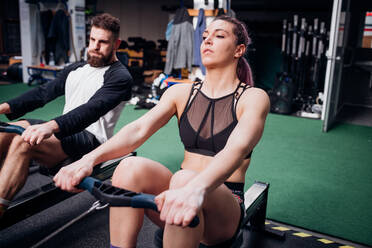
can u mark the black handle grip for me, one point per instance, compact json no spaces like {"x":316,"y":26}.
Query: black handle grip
{"x":148,"y":201}
{"x":136,"y":200}
{"x":88,"y":183}
{"x":9,"y":128}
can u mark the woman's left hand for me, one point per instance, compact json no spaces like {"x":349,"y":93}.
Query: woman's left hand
{"x":180,"y":206}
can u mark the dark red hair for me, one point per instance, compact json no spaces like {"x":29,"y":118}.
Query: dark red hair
{"x":243,"y":69}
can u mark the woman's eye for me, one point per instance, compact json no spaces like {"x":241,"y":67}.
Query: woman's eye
{"x":220,"y":36}
{"x":204,"y":37}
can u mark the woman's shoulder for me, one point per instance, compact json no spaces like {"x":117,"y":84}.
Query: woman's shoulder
{"x":254,"y":92}
{"x":179,"y":90}
{"x":254,"y":96}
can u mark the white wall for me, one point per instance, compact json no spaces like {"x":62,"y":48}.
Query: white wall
{"x":139,"y":18}
{"x":76,"y":10}
{"x":26,"y":37}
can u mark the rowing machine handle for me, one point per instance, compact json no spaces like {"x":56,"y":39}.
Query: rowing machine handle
{"x":148,"y":201}
{"x":8,"y":128}
{"x":138,"y":201}
{"x":88,"y":183}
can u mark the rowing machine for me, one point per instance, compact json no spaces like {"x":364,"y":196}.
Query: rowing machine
{"x":47,"y":195}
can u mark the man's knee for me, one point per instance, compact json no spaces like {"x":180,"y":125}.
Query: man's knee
{"x":19,"y":146}
{"x":181,"y":178}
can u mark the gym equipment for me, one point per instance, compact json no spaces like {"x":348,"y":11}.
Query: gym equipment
{"x":117,"y":197}
{"x":47,"y":195}
{"x":8,"y":128}
{"x":36,"y":73}
{"x":303,"y":51}
{"x":14,"y":72}
{"x":255,"y":209}
{"x":109,"y":195}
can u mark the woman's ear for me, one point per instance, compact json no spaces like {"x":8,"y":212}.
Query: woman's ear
{"x":240,"y":51}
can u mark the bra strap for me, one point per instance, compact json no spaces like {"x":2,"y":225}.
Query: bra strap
{"x":195,"y":86}
{"x":237,"y":95}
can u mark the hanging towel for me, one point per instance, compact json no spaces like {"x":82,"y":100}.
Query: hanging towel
{"x":180,"y":45}
{"x":60,"y":30}
{"x":198,"y":39}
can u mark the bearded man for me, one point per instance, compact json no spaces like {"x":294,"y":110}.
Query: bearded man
{"x":95,"y":93}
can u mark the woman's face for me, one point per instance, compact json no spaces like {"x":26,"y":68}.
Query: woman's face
{"x":219,"y":45}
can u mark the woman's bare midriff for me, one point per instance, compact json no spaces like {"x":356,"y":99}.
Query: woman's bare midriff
{"x":198,"y":162}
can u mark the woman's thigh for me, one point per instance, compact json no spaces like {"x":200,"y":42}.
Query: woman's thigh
{"x":222,"y":214}
{"x":143,"y":175}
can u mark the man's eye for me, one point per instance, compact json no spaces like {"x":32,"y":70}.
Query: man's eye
{"x":204,"y":37}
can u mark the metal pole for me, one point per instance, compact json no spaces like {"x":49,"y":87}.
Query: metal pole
{"x":331,"y":58}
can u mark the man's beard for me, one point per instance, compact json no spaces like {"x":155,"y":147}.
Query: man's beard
{"x":100,"y":61}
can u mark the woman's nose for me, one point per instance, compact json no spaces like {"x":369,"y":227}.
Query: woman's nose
{"x":208,"y":40}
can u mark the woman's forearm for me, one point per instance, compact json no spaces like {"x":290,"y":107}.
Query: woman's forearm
{"x":122,"y":143}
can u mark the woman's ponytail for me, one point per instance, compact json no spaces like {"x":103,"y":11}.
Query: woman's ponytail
{"x":244,"y":71}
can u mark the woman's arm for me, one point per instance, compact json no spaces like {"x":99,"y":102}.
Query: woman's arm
{"x":137,"y":132}
{"x":252,"y":115}
{"x":125,"y":141}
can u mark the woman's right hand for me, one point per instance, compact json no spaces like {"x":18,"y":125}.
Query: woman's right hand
{"x":71,"y":175}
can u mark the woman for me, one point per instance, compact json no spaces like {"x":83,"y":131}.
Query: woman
{"x":220,"y":120}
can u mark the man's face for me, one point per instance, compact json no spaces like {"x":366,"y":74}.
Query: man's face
{"x":101,"y":47}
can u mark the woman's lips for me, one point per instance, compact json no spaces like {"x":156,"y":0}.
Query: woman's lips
{"x":207,"y":51}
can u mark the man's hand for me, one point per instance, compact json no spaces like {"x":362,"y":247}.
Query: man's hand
{"x":35,"y":134}
{"x":5,"y":108}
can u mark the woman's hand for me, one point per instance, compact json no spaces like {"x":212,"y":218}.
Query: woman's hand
{"x":180,"y":206}
{"x":71,"y":175}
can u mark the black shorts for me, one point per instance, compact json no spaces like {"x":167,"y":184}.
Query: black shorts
{"x":76,"y":145}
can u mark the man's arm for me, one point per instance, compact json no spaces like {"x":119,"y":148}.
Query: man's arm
{"x":39,"y":96}
{"x":116,"y":89}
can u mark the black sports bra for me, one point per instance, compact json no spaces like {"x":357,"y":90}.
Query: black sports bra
{"x":206,"y":123}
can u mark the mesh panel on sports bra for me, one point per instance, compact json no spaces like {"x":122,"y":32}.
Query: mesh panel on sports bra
{"x":206,"y":123}
{"x":206,"y":115}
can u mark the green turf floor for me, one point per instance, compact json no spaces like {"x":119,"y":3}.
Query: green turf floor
{"x":318,"y":181}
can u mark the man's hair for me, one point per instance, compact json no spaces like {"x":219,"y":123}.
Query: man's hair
{"x":107,"y":22}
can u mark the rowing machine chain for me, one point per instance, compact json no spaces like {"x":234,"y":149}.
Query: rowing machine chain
{"x":97,"y":205}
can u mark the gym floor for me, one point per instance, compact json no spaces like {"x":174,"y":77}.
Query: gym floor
{"x":92,"y":230}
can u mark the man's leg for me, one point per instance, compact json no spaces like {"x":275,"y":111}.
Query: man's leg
{"x":14,"y":170}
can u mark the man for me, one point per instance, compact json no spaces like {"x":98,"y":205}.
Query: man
{"x":94,"y":91}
